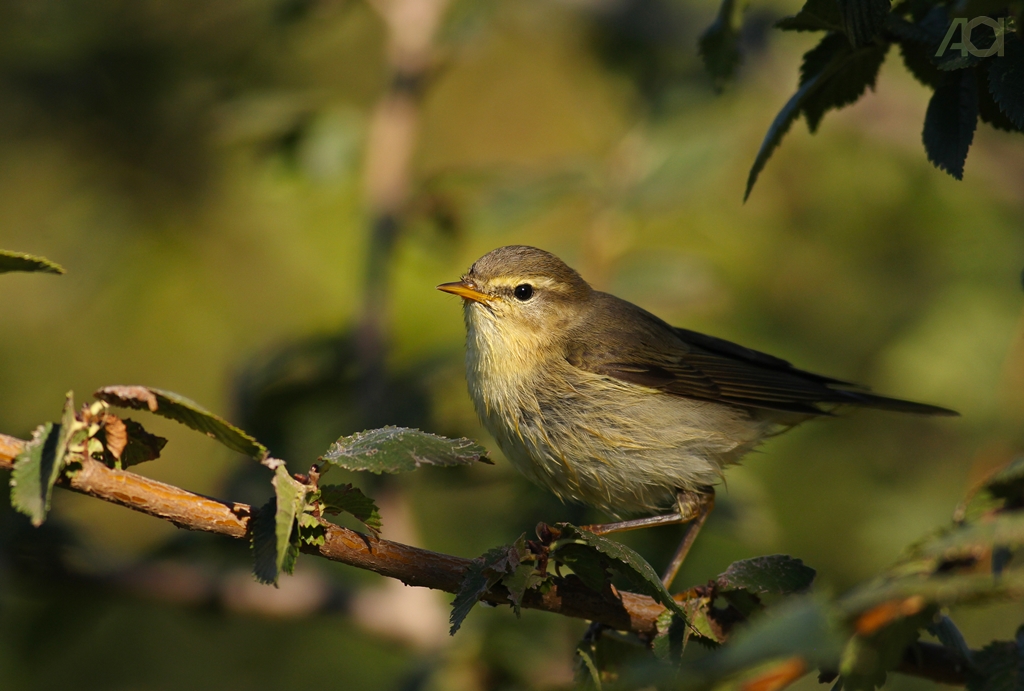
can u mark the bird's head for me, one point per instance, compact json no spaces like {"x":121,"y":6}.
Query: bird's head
{"x":522,"y":293}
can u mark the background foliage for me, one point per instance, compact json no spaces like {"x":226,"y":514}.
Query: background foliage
{"x":200,"y":172}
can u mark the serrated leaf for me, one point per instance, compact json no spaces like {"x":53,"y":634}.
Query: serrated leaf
{"x":18,"y":261}
{"x":640,"y":575}
{"x":818,"y":69}
{"x":858,"y":72}
{"x":719,"y":44}
{"x":588,"y":676}
{"x":863,"y":19}
{"x":185,"y":411}
{"x":142,"y":446}
{"x":40,"y":463}
{"x":815,"y":15}
{"x":291,"y":502}
{"x":400,"y":449}
{"x":524,"y":578}
{"x":777,"y":574}
{"x":950,"y":121}
{"x":589,"y":565}
{"x":30,"y":489}
{"x":482,"y":574}
{"x":917,"y":58}
{"x":351,"y":500}
{"x":999,"y":666}
{"x":263,"y":536}
{"x":1006,"y":80}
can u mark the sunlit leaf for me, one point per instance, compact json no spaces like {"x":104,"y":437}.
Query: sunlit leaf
{"x":18,"y":261}
{"x":185,"y":411}
{"x":39,"y":465}
{"x":351,"y":500}
{"x":400,"y":449}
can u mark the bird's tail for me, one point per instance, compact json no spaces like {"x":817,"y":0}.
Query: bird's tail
{"x":870,"y":400}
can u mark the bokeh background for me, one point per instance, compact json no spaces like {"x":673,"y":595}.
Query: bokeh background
{"x":254,"y":199}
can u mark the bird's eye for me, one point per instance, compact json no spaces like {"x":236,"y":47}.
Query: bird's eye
{"x":523,"y":292}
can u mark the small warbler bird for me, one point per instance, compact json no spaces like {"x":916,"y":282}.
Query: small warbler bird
{"x":604,"y":403}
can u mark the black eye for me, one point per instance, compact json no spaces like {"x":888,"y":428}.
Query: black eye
{"x":523,"y":291}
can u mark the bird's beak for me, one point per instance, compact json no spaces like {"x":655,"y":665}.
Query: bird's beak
{"x":465,"y":291}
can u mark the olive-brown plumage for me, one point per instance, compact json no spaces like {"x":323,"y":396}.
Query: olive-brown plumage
{"x":602,"y":402}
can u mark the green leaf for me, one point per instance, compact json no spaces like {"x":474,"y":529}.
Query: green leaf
{"x":943,"y":590}
{"x":950,"y":121}
{"x":863,"y":19}
{"x":142,"y":446}
{"x":291,"y":501}
{"x":589,"y":565}
{"x":263,"y":530}
{"x":1008,"y":483}
{"x":815,"y":15}
{"x":351,"y":500}
{"x":917,"y":58}
{"x":975,"y":539}
{"x":588,"y":676}
{"x":188,"y":413}
{"x":524,"y":578}
{"x":719,"y":44}
{"x":40,"y":463}
{"x":30,"y":486}
{"x":777,"y":574}
{"x":400,"y":449}
{"x":999,"y":666}
{"x":482,"y":574}
{"x":18,"y":261}
{"x":1006,"y":80}
{"x":823,"y":63}
{"x":638,"y":573}
{"x":857,"y":72}
{"x":671,"y":636}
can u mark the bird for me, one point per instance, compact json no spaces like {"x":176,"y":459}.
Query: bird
{"x":603,"y":403}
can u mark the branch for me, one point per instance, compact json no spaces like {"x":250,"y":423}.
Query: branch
{"x":621,"y":611}
{"x":411,"y":565}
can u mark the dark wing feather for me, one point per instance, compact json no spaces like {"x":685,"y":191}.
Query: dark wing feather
{"x":627,"y":343}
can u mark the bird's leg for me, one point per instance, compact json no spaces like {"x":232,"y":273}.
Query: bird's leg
{"x":695,"y":506}
{"x":647,"y":522}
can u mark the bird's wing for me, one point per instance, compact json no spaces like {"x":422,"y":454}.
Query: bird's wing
{"x":637,"y":347}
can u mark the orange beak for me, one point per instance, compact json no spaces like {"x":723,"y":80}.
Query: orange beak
{"x":464,"y":291}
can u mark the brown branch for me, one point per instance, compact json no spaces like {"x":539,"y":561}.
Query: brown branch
{"x":622,"y":611}
{"x":411,"y":565}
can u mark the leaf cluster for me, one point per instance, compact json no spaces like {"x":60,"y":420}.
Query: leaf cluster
{"x":979,"y":76}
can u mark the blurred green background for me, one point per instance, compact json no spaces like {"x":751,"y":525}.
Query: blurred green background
{"x":209,"y":175}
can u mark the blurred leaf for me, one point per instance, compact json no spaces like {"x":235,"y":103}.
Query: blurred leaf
{"x":719,"y":44}
{"x":815,"y":15}
{"x":999,"y":666}
{"x":40,"y":463}
{"x":950,"y":121}
{"x":351,"y":500}
{"x":863,"y":19}
{"x":185,"y":411}
{"x":975,"y":539}
{"x":1006,"y":79}
{"x":639,"y":575}
{"x":672,"y":633}
{"x":944,"y":590}
{"x":142,"y":446}
{"x":949,"y":635}
{"x":777,"y":574}
{"x":18,"y":261}
{"x":1008,"y":483}
{"x":399,"y":449}
{"x":588,"y":676}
